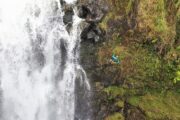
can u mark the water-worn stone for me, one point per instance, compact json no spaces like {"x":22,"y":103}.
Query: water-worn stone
{"x":83,"y":11}
{"x":92,"y":33}
{"x":68,"y":14}
{"x":93,"y":12}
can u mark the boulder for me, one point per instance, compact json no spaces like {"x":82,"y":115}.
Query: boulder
{"x":92,"y":11}
{"x":68,"y":14}
{"x":62,"y":2}
{"x":83,"y":11}
{"x":92,"y":33}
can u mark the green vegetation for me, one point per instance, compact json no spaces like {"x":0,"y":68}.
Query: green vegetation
{"x":129,"y":6}
{"x":116,"y":116}
{"x":149,"y":72}
{"x":114,"y":91}
{"x":120,"y":104}
{"x":166,"y":105}
{"x":134,"y":100}
{"x":177,"y":77}
{"x":160,"y":18}
{"x":143,"y":63}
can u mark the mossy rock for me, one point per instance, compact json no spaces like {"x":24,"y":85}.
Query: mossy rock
{"x":134,"y":100}
{"x":116,"y":116}
{"x":120,"y":104}
{"x":165,"y":104}
{"x":114,"y":91}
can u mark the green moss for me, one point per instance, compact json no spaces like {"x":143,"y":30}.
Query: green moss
{"x":178,"y":30}
{"x":177,"y":77}
{"x":178,"y":48}
{"x":104,"y":23}
{"x":177,"y":3}
{"x":155,"y":19}
{"x":98,"y":86}
{"x":134,"y":100}
{"x":116,"y":116}
{"x":145,"y":73}
{"x":114,"y":91}
{"x":160,"y":19}
{"x":160,"y":24}
{"x":166,"y":105}
{"x":144,"y":67}
{"x":129,"y":6}
{"x":120,"y":103}
{"x":119,"y":8}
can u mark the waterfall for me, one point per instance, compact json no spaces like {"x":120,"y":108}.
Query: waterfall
{"x":39,"y":61}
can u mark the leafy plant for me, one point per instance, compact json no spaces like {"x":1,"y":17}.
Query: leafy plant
{"x":177,"y":77}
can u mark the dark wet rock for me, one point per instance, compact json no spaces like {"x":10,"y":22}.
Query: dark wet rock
{"x":63,"y":49}
{"x":100,"y":105}
{"x":88,"y":57}
{"x":126,"y":25}
{"x":62,"y":2}
{"x":92,"y":11}
{"x":68,"y":15}
{"x":133,"y":113}
{"x":83,"y":11}
{"x":92,"y":33}
{"x":83,"y":109}
{"x":69,"y":27}
{"x":92,"y":37}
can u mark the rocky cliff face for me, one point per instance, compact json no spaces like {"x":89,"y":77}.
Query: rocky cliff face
{"x":144,"y":35}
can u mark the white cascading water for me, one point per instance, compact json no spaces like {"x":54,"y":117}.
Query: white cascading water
{"x":38,"y":61}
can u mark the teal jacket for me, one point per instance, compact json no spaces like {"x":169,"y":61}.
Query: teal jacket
{"x":115,"y":59}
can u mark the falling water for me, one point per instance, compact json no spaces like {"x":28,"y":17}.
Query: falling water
{"x":39,"y":61}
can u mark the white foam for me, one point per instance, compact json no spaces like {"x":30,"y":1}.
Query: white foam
{"x":30,"y":61}
{"x":70,"y":1}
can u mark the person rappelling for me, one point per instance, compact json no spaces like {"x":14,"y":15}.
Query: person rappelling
{"x":115,"y":59}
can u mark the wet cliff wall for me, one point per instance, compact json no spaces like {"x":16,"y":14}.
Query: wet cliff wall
{"x":144,"y":34}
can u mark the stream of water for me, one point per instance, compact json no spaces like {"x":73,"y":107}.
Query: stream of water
{"x":39,"y":61}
